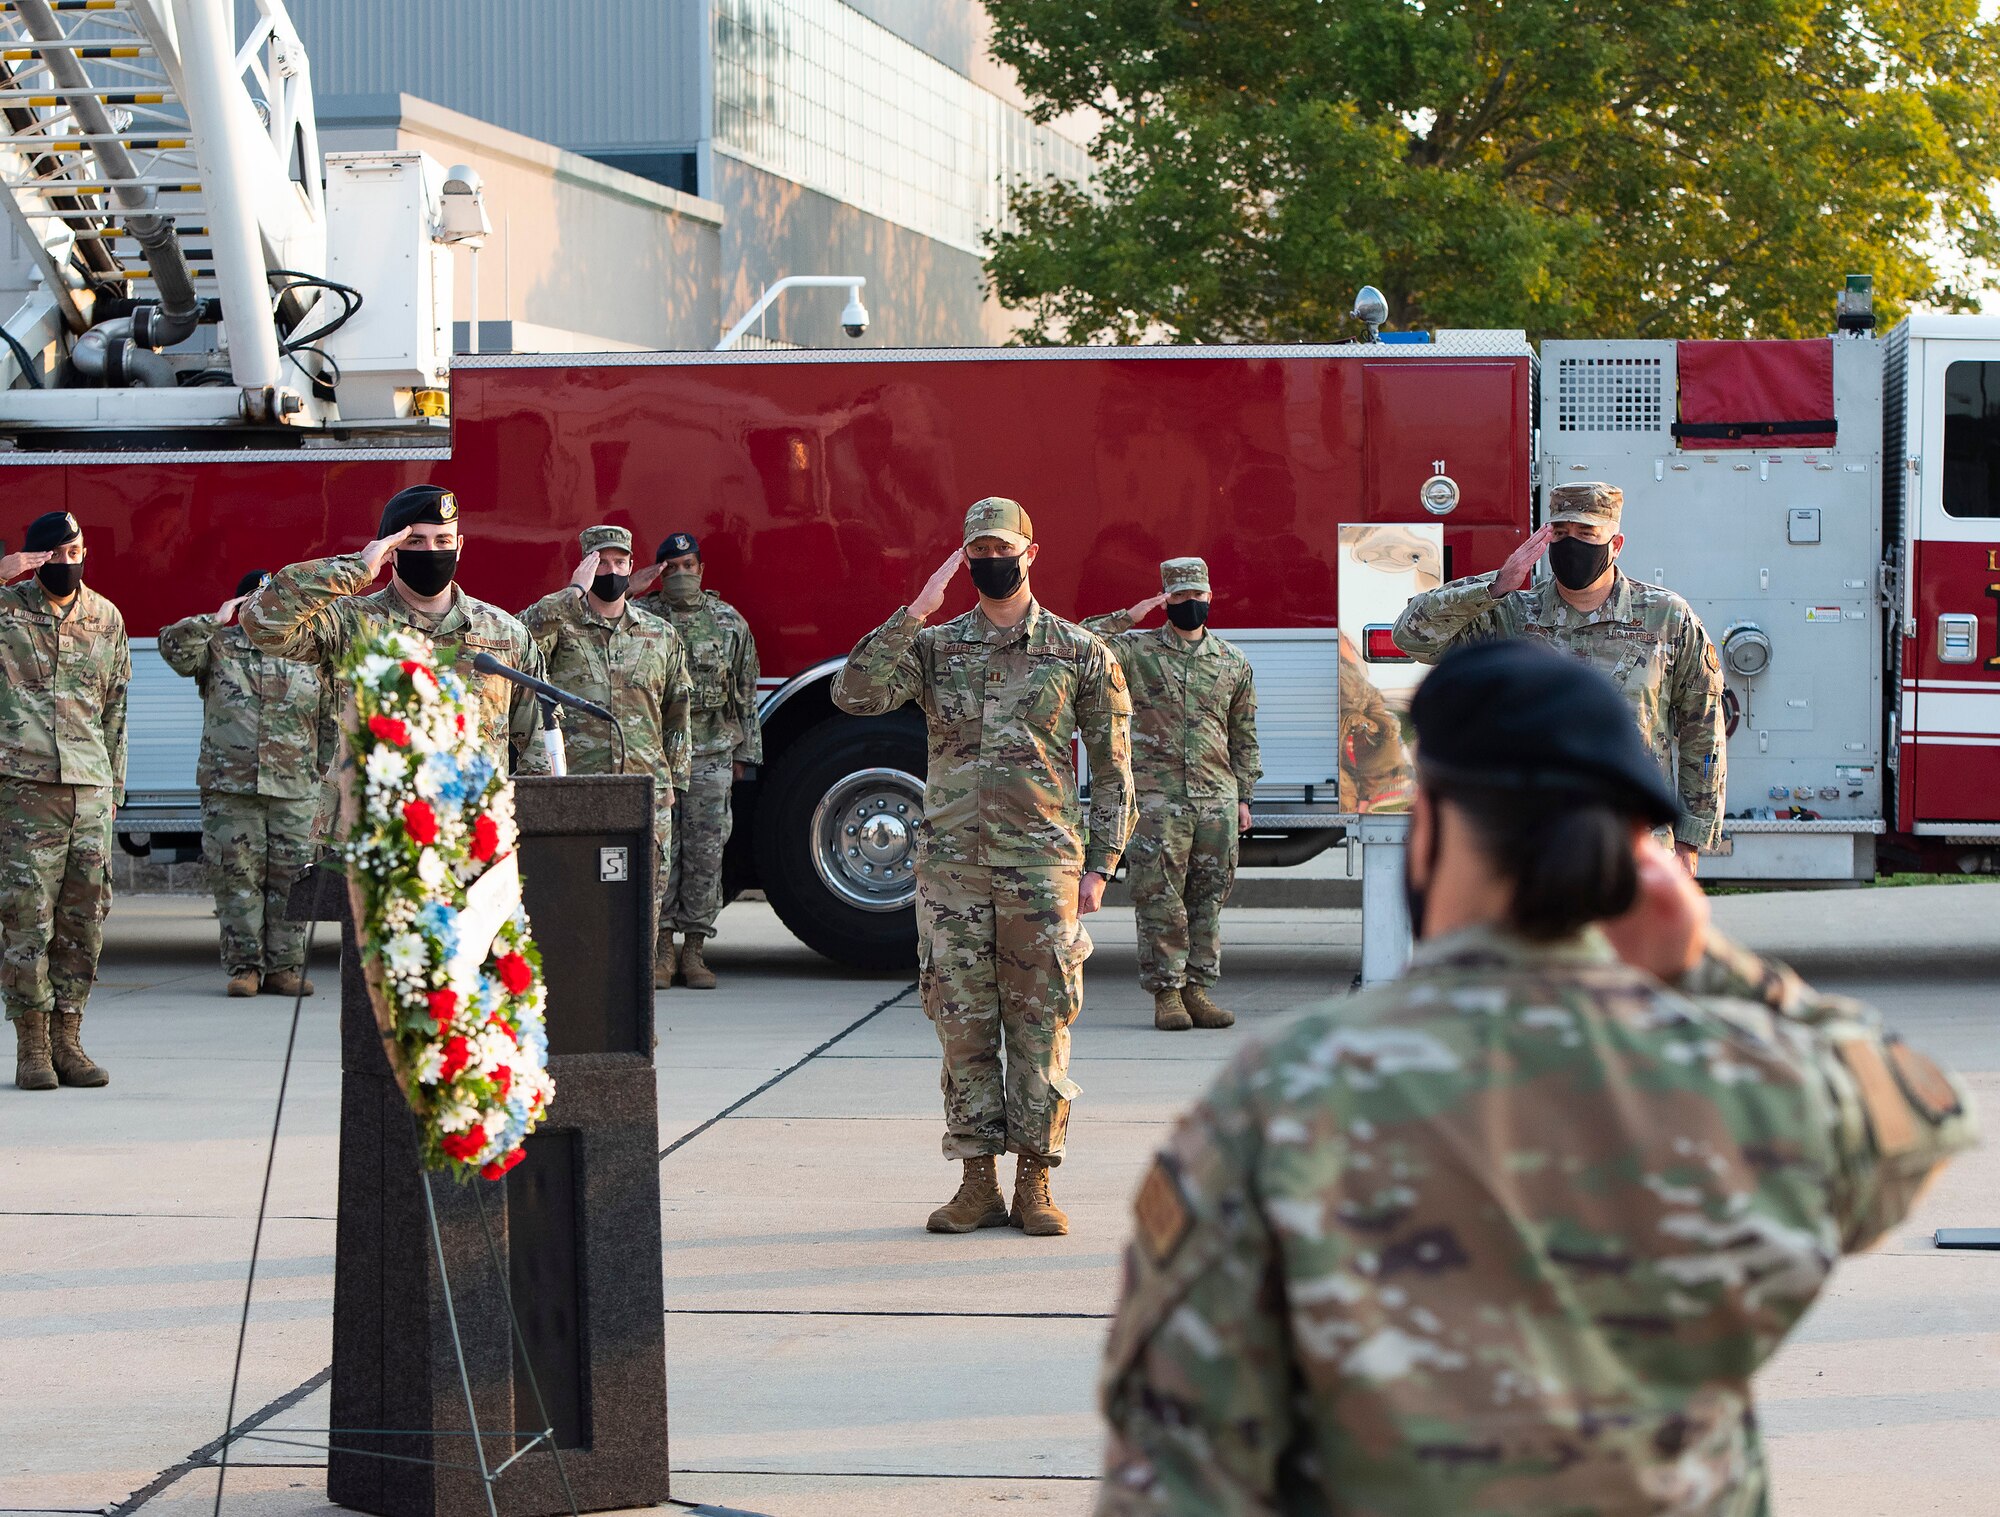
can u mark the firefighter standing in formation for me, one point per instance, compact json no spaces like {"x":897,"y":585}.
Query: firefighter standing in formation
{"x":64,"y":668}
{"x":1513,"y":1232}
{"x":1645,"y":637}
{"x":604,"y":648}
{"x":722,"y":663}
{"x":1005,"y":871}
{"x":316,"y":611}
{"x":269,"y":732}
{"x":1194,"y":767}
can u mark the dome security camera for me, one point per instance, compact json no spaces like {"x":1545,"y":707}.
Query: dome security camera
{"x":854,"y":316}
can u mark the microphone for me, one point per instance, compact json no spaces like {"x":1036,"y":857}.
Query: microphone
{"x":486,"y":663}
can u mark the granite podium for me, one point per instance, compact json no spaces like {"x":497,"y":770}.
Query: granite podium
{"x":576,"y":1225}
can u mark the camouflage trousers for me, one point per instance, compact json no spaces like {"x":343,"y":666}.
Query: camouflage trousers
{"x":256,"y":847}
{"x":693,"y":897}
{"x":1182,"y":861}
{"x":55,"y":891}
{"x":1000,"y":955}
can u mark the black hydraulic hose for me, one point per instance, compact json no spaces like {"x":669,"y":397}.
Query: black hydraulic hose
{"x":21,"y":358}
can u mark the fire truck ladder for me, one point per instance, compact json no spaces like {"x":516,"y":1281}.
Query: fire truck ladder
{"x":148,"y":160}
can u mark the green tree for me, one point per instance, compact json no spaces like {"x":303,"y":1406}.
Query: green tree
{"x":1575,"y":167}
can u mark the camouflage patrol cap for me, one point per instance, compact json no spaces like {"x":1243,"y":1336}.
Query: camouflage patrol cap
{"x":1594,"y":501}
{"x":996,"y":516}
{"x":591,"y":539}
{"x":1515,"y":715}
{"x":1183,"y":574}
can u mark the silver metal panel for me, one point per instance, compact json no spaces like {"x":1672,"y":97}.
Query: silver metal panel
{"x":162,"y":729}
{"x":1713,"y":526}
{"x":600,"y":75}
{"x":1823,"y":856}
{"x":1298,"y":695}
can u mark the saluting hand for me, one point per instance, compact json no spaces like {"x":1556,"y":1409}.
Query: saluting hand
{"x":14,"y":565}
{"x":1667,"y":925}
{"x":932,"y":595}
{"x":1146,"y":608}
{"x":226,"y":612}
{"x":644,"y":579}
{"x":586,"y":571}
{"x":379,"y":551}
{"x":1521,"y":562}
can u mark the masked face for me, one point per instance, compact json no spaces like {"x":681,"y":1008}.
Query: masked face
{"x":1188,"y":614}
{"x":426,"y":572}
{"x":996,"y":578}
{"x":1578,"y":563}
{"x":609,"y":587}
{"x":682,"y":586}
{"x":60,"y":579}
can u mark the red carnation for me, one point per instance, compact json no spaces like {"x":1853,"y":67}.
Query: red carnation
{"x":461,"y":721}
{"x":496,"y":1020}
{"x":457,"y":1054}
{"x":503,"y":1080}
{"x":501,"y":1165}
{"x":515,"y":973}
{"x":421,"y":821}
{"x":464,"y":1146}
{"x":412,"y":668}
{"x":444,"y":1003}
{"x":389,"y":730}
{"x":485,"y":837}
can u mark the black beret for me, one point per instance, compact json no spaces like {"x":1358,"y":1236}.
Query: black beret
{"x":256,"y":579}
{"x":1515,"y":715}
{"x":679,"y":545}
{"x":50,"y":530}
{"x":420,"y":505}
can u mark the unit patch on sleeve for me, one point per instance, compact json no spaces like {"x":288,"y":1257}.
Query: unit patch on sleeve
{"x":1890,"y":1118}
{"x":1924,"y":1083}
{"x":1164,"y":1218}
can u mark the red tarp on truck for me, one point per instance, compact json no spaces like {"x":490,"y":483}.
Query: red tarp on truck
{"x":1773,"y":394}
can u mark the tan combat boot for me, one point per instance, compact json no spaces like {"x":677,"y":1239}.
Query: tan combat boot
{"x":664,"y":963}
{"x":32,"y":1068}
{"x":244,"y":982}
{"x":1204,"y":1011}
{"x":1034,"y":1213}
{"x":695,"y":974}
{"x":1169,"y":1015}
{"x":977,"y":1204}
{"x":73,"y":1065}
{"x":287,"y":982}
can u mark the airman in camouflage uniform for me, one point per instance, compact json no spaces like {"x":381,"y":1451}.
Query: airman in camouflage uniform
{"x":1195,"y":765}
{"x":65,"y":666}
{"x":270,"y":731}
{"x":609,"y":650}
{"x":1004,"y":869}
{"x":315,"y":612}
{"x":722,"y":660}
{"x":1644,"y":636}
{"x":1513,"y":1233}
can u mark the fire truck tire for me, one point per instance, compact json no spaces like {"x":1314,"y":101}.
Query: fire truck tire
{"x":836,"y":838}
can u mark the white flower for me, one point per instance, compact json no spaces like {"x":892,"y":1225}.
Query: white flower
{"x":406,"y":954}
{"x":373,"y":669}
{"x":386,"y":767}
{"x":431,"y":868}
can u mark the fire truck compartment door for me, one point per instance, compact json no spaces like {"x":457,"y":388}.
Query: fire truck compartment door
{"x":1951,"y":704}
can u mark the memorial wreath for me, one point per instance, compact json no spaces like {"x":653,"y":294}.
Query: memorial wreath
{"x":452,"y":970}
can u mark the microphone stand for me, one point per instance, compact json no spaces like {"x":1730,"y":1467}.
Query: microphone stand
{"x":550,"y":697}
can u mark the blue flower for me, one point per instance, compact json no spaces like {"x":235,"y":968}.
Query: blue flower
{"x":442,"y":923}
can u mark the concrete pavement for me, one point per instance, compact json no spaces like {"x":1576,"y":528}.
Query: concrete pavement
{"x":825,"y":1354}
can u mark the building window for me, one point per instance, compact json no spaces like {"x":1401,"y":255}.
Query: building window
{"x":675,"y":170}
{"x":817,"y":93}
{"x":1972,"y":439}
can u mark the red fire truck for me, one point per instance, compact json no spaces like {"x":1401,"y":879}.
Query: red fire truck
{"x":824,"y":488}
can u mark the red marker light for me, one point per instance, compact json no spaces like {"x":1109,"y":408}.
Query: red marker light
{"x":1379,"y":645}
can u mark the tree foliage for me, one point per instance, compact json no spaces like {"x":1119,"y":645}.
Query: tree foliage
{"x":1575,"y":167}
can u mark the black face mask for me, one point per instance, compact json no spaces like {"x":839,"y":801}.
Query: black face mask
{"x":1188,"y":614}
{"x":996,"y":578}
{"x":60,"y":579}
{"x":425,"y":572}
{"x":1578,"y":564}
{"x":609,"y":587}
